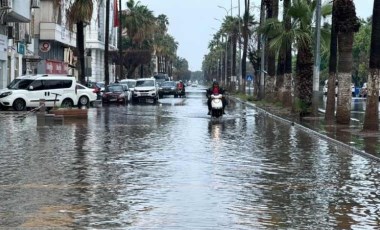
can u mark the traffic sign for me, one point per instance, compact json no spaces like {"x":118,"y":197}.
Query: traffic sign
{"x":249,"y":77}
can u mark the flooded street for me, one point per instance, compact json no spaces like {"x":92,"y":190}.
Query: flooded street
{"x":169,"y":166}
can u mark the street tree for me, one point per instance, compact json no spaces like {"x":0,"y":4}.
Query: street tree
{"x":80,"y":13}
{"x":371,"y":119}
{"x":347,"y":23}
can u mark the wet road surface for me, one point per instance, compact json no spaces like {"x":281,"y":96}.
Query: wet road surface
{"x":169,"y":166}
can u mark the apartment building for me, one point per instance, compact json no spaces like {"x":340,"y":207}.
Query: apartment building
{"x":35,"y":38}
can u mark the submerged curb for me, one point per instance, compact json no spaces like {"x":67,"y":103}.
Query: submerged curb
{"x":351,"y":149}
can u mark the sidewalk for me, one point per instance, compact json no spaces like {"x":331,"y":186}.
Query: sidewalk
{"x":349,"y":137}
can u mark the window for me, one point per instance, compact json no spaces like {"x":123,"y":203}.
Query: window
{"x":37,"y":85}
{"x":57,"y":84}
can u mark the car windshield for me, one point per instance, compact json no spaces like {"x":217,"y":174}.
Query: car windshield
{"x":100,"y":84}
{"x":115,"y":88}
{"x":145,"y":83}
{"x":168,"y":83}
{"x":20,"y":84}
{"x":131,"y":84}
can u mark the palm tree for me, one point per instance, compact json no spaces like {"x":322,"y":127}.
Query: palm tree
{"x":330,"y":104}
{"x":272,"y":14}
{"x":346,"y":24}
{"x":371,"y":119}
{"x":230,"y":26}
{"x":284,"y":67}
{"x":140,"y":25}
{"x":300,"y":33}
{"x":80,"y":13}
{"x":248,"y":21}
{"x":162,"y":23}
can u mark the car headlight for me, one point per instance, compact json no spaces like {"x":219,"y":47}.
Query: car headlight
{"x":5,"y":94}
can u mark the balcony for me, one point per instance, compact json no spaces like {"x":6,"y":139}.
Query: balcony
{"x":15,"y":11}
{"x":53,"y":31}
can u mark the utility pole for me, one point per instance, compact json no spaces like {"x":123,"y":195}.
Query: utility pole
{"x":120,"y":44}
{"x":262,"y":64}
{"x":242,"y":78}
{"x":106,"y":49}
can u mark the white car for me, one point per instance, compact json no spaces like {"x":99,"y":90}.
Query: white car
{"x":130,"y":82}
{"x":28,"y":91}
{"x":86,"y":96}
{"x":146,"y":89}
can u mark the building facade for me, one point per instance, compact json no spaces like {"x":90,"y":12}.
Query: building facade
{"x":95,"y":41}
{"x":35,"y":38}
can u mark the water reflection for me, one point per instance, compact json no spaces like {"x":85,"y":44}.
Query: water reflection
{"x":172,"y":167}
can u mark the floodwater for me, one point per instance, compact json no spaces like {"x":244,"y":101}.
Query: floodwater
{"x":169,"y":166}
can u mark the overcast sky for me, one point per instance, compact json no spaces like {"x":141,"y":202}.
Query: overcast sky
{"x":192,"y":22}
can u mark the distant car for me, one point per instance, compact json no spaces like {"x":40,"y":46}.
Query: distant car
{"x":353,"y":90}
{"x":161,"y":77}
{"x":146,"y":89}
{"x":128,"y":91}
{"x":115,"y":93}
{"x":363,"y":90}
{"x":130,"y":82}
{"x":167,"y":88}
{"x":86,"y":96}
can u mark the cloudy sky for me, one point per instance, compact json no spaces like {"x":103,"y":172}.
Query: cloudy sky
{"x":192,"y":22}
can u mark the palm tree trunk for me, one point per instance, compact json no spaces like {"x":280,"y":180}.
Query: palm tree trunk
{"x":371,"y":118}
{"x":343,"y":111}
{"x":245,"y":43}
{"x":304,"y":79}
{"x":330,"y":104}
{"x":80,"y":45}
{"x":346,"y":24}
{"x":272,"y":12}
{"x":287,"y":83}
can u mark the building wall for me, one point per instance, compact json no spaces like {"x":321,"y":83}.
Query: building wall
{"x":95,"y":41}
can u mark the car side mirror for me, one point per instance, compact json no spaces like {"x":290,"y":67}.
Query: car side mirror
{"x":30,"y":87}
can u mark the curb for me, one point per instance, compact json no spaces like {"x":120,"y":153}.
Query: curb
{"x":351,"y":149}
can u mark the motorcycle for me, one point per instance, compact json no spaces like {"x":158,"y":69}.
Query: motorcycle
{"x":180,"y":91}
{"x":216,"y":105}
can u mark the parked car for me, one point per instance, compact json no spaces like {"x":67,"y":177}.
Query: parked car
{"x":86,"y":96}
{"x":115,"y":93}
{"x":363,"y":90}
{"x":161,"y":77}
{"x":167,"y":88}
{"x":130,"y":82}
{"x":146,"y":89}
{"x":28,"y":90}
{"x":98,"y":87}
{"x":127,"y":90}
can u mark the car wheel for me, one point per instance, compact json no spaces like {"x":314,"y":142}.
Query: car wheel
{"x":83,"y":101}
{"x":67,"y":103}
{"x":19,"y":105}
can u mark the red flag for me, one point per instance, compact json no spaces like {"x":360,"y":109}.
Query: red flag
{"x":116,"y":22}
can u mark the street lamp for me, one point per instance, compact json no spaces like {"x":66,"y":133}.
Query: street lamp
{"x":227,"y":12}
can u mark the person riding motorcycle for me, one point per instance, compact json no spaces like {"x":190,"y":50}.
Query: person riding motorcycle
{"x":215,"y":89}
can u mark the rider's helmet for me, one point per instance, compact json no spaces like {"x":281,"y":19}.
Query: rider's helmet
{"x":215,"y":83}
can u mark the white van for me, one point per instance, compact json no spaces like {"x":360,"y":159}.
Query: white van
{"x":26,"y":91}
